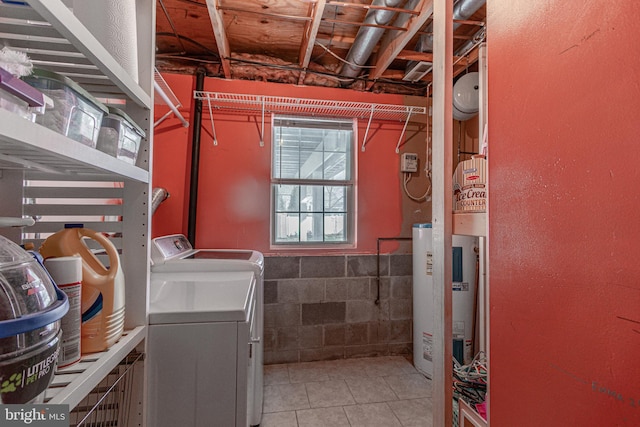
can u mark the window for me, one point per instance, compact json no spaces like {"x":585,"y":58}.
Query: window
{"x":312,"y":181}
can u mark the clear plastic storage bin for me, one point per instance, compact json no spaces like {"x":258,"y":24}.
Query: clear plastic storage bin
{"x":120,"y":136}
{"x":76,"y":114}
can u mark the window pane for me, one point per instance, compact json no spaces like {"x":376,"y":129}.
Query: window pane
{"x":335,"y":228}
{"x":287,"y":198}
{"x":334,"y":199}
{"x":337,"y":140}
{"x":305,"y":150}
{"x":335,"y":166}
{"x":311,"y":164}
{"x":311,"y":197}
{"x":287,"y":228}
{"x":286,"y":162}
{"x":311,"y":227}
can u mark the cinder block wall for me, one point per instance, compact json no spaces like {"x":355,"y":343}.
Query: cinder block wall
{"x":323,"y":307}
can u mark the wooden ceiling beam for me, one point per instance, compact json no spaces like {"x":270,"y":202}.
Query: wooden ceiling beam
{"x":389,"y":52}
{"x":370,"y":6}
{"x":469,"y":22}
{"x":269,"y":14}
{"x":217,"y":23}
{"x":309,"y":37}
{"x":338,"y":42}
{"x":412,"y":55}
{"x":461,"y":64}
{"x":455,"y":37}
{"x":363,"y":24}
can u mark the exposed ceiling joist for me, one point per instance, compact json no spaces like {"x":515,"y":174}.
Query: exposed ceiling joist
{"x":281,"y":41}
{"x":462,"y":63}
{"x":309,"y":37}
{"x":389,"y":52}
{"x":370,"y":7}
{"x":217,"y":23}
{"x":363,"y":24}
{"x":270,"y":15}
{"x":340,"y":42}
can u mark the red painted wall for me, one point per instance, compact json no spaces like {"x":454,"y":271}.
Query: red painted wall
{"x":234,"y":193}
{"x":564,"y":233}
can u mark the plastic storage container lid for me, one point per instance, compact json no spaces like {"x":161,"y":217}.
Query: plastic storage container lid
{"x":38,"y":72}
{"x":113,"y":111}
{"x":12,"y":256}
{"x":423,"y":225}
{"x":22,"y":90}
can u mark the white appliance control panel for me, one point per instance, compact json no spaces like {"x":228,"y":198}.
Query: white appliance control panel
{"x":167,"y":247}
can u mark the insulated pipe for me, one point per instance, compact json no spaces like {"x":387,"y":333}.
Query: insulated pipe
{"x":195,"y":160}
{"x":368,"y":37}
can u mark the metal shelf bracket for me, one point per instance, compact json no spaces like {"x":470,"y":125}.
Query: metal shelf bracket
{"x":404,"y":129}
{"x":366,"y":133}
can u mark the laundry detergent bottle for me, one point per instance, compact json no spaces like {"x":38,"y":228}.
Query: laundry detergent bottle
{"x":103,"y":296}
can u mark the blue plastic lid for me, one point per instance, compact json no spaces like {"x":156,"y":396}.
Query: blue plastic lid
{"x":423,"y":225}
{"x":74,"y":226}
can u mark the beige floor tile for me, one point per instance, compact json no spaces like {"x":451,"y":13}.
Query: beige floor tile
{"x":413,"y":413}
{"x":409,"y":386}
{"x":279,"y":419}
{"x":323,"y":417}
{"x":307,"y":372}
{"x":285,"y":397}
{"x":407,"y":367}
{"x":346,"y":368}
{"x":370,"y":390}
{"x":371,"y":415}
{"x":276,"y":374}
{"x":386,"y":366}
{"x":329,"y":393}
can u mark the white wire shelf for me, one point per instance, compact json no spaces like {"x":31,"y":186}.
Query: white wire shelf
{"x":309,"y":107}
{"x":246,"y":103}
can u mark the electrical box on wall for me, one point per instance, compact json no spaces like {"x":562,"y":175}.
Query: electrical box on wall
{"x":409,"y":162}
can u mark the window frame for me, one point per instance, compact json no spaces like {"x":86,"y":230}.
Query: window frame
{"x":350,"y":185}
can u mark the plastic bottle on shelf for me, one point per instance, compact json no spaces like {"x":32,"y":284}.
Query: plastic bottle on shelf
{"x":103,"y":295}
{"x":67,"y":274}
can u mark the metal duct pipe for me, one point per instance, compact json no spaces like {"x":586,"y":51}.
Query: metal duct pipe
{"x":463,"y":9}
{"x":368,"y":37}
{"x":158,"y":195}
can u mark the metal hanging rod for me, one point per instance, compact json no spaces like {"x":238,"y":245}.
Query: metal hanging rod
{"x":230,"y":103}
{"x":167,"y":97}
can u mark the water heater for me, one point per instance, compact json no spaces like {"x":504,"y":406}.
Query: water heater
{"x":463,"y":297}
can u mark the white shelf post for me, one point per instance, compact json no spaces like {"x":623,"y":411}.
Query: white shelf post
{"x":442,"y":211}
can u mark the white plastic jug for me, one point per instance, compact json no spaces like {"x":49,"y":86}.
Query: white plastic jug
{"x":103,"y":294}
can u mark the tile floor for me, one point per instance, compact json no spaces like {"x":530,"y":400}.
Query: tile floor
{"x":368,"y":392}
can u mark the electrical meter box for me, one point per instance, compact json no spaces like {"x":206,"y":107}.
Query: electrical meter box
{"x":409,"y":162}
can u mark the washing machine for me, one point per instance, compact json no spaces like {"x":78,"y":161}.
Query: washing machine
{"x":174,"y":254}
{"x":201,"y":349}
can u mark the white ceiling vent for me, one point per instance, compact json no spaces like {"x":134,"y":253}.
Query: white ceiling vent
{"x":417,"y":71}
